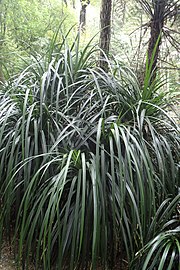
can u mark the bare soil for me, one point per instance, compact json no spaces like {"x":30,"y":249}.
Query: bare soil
{"x":7,"y":261}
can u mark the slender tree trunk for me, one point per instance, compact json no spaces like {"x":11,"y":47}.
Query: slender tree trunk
{"x":160,"y":11}
{"x":157,"y":23}
{"x":2,"y":79}
{"x":73,"y":2}
{"x":105,"y":26}
{"x":82,"y":19}
{"x":65,"y":2}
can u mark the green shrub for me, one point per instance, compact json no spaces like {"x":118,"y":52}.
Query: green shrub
{"x":87,"y":162}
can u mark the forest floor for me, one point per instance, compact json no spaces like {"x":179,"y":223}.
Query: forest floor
{"x":7,"y":261}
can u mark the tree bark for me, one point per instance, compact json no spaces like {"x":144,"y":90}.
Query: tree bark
{"x":156,"y":25}
{"x":73,"y":3}
{"x":2,"y":79}
{"x":105,"y":35}
{"x":82,"y":19}
{"x":65,"y":2}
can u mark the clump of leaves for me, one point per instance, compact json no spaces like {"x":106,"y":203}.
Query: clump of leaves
{"x":86,"y":159}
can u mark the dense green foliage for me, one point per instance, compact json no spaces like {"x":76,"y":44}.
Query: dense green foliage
{"x":26,"y":28}
{"x":88,"y":162}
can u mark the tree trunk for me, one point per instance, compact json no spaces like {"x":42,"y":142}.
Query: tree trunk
{"x":82,"y":19}
{"x":157,"y":23}
{"x":65,"y":2}
{"x":73,"y":3}
{"x":105,"y":26}
{"x":2,"y":80}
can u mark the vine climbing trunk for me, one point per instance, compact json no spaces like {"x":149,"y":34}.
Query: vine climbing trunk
{"x":105,"y":35}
